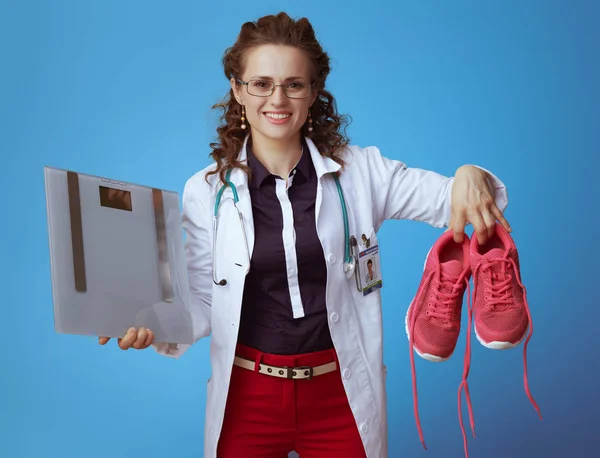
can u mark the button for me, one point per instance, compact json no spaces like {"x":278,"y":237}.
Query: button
{"x":364,"y":428}
{"x":334,"y":317}
{"x":331,"y":258}
{"x":347,"y":373}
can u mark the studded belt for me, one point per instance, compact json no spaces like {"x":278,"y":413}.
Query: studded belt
{"x":297,"y":373}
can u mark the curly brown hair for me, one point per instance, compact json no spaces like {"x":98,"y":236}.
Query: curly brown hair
{"x":328,"y":125}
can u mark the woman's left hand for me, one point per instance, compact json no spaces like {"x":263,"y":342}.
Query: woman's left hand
{"x":473,"y":202}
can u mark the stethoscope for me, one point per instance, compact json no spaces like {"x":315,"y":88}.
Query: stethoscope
{"x":349,"y":259}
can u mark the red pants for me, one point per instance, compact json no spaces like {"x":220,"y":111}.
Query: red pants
{"x":269,"y":417}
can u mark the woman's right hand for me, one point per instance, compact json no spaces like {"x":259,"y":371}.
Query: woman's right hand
{"x":134,"y":338}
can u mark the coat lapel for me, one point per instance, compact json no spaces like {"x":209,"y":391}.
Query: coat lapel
{"x":240,"y":181}
{"x":323,"y":167}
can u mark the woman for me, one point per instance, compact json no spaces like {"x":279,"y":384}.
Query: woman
{"x":296,"y":348}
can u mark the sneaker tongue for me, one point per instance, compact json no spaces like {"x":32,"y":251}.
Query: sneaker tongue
{"x":498,"y":268}
{"x":449,"y":273}
{"x":494,"y":253}
{"x":452,"y":268}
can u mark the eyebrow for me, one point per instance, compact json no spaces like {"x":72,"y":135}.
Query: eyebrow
{"x":271,"y":78}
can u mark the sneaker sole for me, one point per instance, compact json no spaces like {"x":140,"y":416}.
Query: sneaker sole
{"x":426,"y":356}
{"x":496,"y":345}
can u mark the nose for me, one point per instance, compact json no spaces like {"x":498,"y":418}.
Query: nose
{"x":278,"y":96}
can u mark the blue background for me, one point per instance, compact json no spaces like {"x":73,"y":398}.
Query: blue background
{"x":123,"y":89}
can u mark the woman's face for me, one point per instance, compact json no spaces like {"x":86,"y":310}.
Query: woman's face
{"x":276,"y":117}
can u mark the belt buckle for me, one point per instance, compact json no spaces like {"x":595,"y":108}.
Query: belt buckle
{"x":308,"y":369}
{"x":292,"y":372}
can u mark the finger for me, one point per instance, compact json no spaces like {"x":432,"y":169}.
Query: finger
{"x":103,"y":340}
{"x":479,"y":227}
{"x":458,"y":226}
{"x":500,"y":217}
{"x":490,"y":223}
{"x":149,"y":338}
{"x":141,"y":338}
{"x":128,"y":340}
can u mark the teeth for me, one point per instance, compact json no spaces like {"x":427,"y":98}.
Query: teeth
{"x":277,"y":116}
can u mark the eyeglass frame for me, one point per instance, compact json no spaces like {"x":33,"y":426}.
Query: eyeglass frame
{"x":284,"y":86}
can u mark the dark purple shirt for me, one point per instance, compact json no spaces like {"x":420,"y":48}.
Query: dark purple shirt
{"x":283,"y":307}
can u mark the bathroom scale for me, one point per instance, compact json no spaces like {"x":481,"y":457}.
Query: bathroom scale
{"x":117,"y":257}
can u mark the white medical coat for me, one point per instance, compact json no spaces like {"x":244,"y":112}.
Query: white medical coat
{"x":376,"y":188}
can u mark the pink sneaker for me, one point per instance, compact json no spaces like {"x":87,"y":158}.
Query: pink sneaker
{"x":502,"y":314}
{"x":433,"y":318}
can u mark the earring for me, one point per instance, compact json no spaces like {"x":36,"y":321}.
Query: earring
{"x":310,"y":121}
{"x":243,"y":117}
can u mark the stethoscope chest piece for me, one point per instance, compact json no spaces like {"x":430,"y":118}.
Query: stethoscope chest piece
{"x":349,"y":267}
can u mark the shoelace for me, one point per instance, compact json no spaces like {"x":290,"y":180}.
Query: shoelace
{"x":500,"y":293}
{"x":467,"y":365}
{"x":446,"y":291}
{"x":443,"y":313}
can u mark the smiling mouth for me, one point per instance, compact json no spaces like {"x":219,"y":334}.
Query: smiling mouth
{"x":277,"y":115}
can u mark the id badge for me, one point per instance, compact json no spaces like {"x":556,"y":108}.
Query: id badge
{"x":369,"y":264}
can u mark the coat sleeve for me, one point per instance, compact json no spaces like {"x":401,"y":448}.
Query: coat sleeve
{"x":197,"y":226}
{"x":401,"y":192}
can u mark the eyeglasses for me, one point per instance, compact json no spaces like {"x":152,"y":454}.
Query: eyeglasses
{"x":265,"y":88}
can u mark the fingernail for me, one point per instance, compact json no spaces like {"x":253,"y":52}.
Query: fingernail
{"x":131,"y":330}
